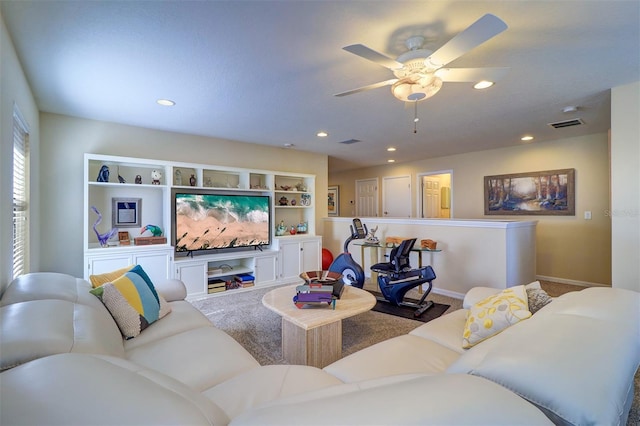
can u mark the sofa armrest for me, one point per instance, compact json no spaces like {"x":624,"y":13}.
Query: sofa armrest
{"x":171,"y":289}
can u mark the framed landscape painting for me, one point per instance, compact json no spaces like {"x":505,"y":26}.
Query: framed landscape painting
{"x":551,"y":192}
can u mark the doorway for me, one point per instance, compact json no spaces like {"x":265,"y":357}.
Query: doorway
{"x":434,"y":195}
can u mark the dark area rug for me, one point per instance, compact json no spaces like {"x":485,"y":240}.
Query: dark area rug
{"x":407,"y":312}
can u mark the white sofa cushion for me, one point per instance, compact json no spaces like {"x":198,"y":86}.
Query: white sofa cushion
{"x":183,"y":317}
{"x":445,"y":330}
{"x":444,"y":399}
{"x":38,"y":328}
{"x":90,"y":389}
{"x":267,"y":383}
{"x":201,"y":357}
{"x":404,"y":354}
{"x":555,"y":359}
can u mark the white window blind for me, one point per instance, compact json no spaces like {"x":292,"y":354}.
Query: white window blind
{"x":20,"y":195}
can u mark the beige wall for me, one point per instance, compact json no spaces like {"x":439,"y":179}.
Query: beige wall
{"x":625,"y":186}
{"x":569,"y":248}
{"x":65,"y":140}
{"x":15,"y":91}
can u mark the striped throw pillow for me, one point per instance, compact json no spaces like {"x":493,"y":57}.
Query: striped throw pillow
{"x":132,"y":301}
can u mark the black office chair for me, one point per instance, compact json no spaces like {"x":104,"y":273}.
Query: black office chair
{"x":396,"y":278}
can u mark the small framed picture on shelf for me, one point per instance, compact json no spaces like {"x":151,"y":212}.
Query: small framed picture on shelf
{"x":333,"y":201}
{"x":126,"y":212}
{"x":123,"y":238}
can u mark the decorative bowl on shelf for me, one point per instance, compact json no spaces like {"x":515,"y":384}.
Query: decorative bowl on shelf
{"x":285,"y":187}
{"x":320,"y":277}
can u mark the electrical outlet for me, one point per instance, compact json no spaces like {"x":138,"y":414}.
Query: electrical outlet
{"x":587,"y":215}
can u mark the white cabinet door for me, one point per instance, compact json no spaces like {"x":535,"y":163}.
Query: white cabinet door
{"x":155,"y":264}
{"x":102,"y":264}
{"x":310,"y":255}
{"x":265,"y":270}
{"x":289,"y":260}
{"x":194,"y":277}
{"x":300,"y":255}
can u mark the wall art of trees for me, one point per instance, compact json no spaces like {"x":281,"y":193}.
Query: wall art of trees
{"x":542,"y":193}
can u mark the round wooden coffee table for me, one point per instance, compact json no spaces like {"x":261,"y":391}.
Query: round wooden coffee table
{"x":313,"y":335}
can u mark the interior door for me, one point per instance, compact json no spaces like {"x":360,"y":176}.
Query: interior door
{"x":430,"y":197}
{"x":367,"y":197}
{"x":396,"y":196}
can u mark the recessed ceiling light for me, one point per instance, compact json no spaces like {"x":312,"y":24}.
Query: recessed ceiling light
{"x":526,"y":138}
{"x":391,"y":161}
{"x":391,"y":149}
{"x":483,"y":84}
{"x":322,"y":134}
{"x":165,"y":102}
{"x":288,"y":145}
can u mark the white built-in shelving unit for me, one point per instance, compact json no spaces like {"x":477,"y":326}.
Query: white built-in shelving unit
{"x":131,"y":178}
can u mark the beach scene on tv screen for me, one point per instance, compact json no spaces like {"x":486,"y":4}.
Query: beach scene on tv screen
{"x":212,"y":221}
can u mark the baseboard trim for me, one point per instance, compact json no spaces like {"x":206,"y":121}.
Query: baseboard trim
{"x":448,"y":293}
{"x":572,"y":282}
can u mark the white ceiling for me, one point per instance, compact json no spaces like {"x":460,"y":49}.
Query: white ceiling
{"x":265,"y":71}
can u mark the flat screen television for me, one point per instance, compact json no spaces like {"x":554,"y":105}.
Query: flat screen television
{"x":209,"y":220}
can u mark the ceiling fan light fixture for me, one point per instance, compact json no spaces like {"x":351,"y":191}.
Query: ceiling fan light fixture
{"x":409,"y":91}
{"x":484,"y":84}
{"x":165,"y":102}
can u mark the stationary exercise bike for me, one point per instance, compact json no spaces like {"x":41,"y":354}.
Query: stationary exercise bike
{"x":352,"y":273}
{"x":396,"y":278}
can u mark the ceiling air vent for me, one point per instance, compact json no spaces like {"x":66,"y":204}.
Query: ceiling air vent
{"x":350,"y":141}
{"x":567,"y":123}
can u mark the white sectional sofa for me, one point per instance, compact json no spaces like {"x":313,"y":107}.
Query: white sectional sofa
{"x":64,"y":361}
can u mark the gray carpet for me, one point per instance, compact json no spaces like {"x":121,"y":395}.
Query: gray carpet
{"x":258,"y":329}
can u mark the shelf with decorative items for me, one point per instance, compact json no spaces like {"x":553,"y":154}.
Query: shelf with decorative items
{"x":126,"y":215}
{"x":185,"y":176}
{"x":225,"y":179}
{"x":294,"y":204}
{"x":122,"y":196}
{"x":260,"y":181}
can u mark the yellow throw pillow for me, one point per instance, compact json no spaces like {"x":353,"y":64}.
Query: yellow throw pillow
{"x":494,"y":314}
{"x":107,"y":277}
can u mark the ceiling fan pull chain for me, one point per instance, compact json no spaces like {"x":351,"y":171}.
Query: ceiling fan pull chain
{"x":415,"y":117}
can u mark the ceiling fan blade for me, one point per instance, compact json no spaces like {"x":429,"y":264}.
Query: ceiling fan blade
{"x":370,"y":54}
{"x":463,"y":75}
{"x":480,"y":31}
{"x":369,"y":87}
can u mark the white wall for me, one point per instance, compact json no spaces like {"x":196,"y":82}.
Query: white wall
{"x":14,"y":90}
{"x":625,"y":186}
{"x":66,"y":139}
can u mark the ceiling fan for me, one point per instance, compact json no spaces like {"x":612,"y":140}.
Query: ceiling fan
{"x":420,"y":72}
